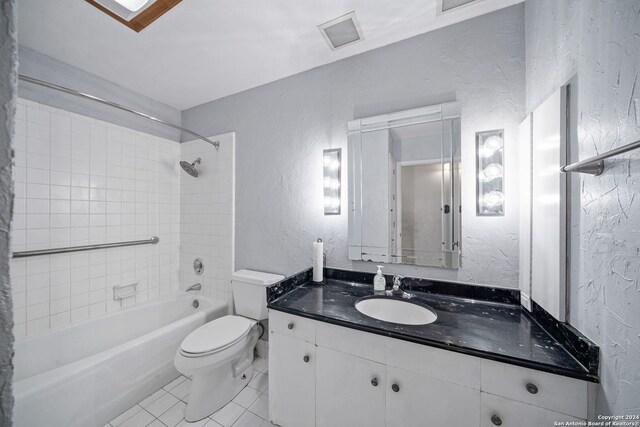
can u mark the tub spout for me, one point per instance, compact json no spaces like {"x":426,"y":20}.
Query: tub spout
{"x":194,"y":288}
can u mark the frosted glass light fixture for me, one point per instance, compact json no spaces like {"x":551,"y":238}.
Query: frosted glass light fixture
{"x":490,"y":173}
{"x":493,"y":199}
{"x":490,"y":146}
{"x":132,"y":5}
{"x":135,"y":14}
{"x":331,"y":162}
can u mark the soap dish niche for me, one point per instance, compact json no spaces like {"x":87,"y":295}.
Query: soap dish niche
{"x":125,"y":290}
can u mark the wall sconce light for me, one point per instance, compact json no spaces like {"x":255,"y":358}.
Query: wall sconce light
{"x":331,"y":166}
{"x":490,"y":173}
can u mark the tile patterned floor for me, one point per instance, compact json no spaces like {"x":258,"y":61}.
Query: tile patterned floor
{"x":165,"y":407}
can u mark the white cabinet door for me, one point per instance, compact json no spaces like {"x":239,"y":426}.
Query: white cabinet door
{"x":292,"y":387}
{"x":498,"y":411}
{"x":415,"y":400}
{"x":349,"y":390}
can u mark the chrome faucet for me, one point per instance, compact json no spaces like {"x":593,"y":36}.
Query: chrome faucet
{"x":397,"y":281}
{"x":396,"y":291}
{"x":194,"y":288}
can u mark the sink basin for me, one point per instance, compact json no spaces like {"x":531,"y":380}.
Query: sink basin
{"x":396,"y":311}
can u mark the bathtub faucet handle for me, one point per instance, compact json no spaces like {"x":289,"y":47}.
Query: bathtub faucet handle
{"x":194,"y":288}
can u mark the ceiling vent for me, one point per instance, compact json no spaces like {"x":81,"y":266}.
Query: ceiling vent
{"x":449,"y":5}
{"x":342,"y":31}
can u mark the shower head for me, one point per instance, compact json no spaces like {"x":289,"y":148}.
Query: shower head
{"x":190,"y":168}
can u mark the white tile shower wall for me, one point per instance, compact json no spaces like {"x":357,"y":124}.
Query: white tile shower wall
{"x":83,"y":181}
{"x":206,"y":228}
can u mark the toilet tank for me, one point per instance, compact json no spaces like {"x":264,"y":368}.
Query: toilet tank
{"x":250,"y":292}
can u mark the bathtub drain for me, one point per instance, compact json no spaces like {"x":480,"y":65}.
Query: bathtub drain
{"x":195,"y":303}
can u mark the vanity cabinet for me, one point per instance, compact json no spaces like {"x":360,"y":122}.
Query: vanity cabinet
{"x":356,"y":378}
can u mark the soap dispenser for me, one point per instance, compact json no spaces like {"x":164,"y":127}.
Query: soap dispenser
{"x":378,"y":281}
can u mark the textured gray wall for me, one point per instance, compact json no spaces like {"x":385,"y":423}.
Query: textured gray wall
{"x":599,"y":43}
{"x":282,"y":128}
{"x":39,"y":66}
{"x":8,"y":69}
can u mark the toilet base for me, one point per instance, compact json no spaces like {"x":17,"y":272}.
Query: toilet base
{"x":215,"y":385}
{"x":210,"y":391}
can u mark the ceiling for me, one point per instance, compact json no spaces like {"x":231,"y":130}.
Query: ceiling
{"x":203,"y":50}
{"x":421,"y":130}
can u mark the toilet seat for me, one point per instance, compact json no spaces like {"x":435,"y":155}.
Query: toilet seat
{"x":216,"y":336}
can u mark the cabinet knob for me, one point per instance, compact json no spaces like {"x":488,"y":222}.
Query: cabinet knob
{"x":374,"y":382}
{"x":290,"y":325}
{"x":306,"y":359}
{"x":496,"y":420}
{"x":532,"y":388}
{"x":395,"y":388}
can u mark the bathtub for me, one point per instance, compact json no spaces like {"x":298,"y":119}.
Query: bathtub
{"x":88,"y":373}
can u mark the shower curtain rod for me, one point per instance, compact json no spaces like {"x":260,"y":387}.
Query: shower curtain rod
{"x":113,"y":104}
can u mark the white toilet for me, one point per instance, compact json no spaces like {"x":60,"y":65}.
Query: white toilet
{"x":218,"y":355}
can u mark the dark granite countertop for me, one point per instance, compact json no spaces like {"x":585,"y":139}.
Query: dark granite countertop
{"x":482,"y":327}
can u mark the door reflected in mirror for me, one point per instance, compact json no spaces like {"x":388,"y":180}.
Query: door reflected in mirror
{"x":404,"y":187}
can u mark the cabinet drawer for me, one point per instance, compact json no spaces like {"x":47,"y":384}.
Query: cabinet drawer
{"x":435,"y":363}
{"x":292,"y":326}
{"x":557,"y":393}
{"x":350,"y":341}
{"x":496,"y":410}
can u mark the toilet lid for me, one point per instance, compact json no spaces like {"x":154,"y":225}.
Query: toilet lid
{"x":217,"y":334}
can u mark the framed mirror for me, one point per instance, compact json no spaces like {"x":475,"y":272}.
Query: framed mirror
{"x":404,"y":187}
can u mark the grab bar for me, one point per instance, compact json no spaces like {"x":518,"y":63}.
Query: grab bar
{"x":152,"y":241}
{"x":595,"y":165}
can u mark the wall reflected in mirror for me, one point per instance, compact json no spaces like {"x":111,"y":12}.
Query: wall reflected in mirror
{"x":404,"y":187}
